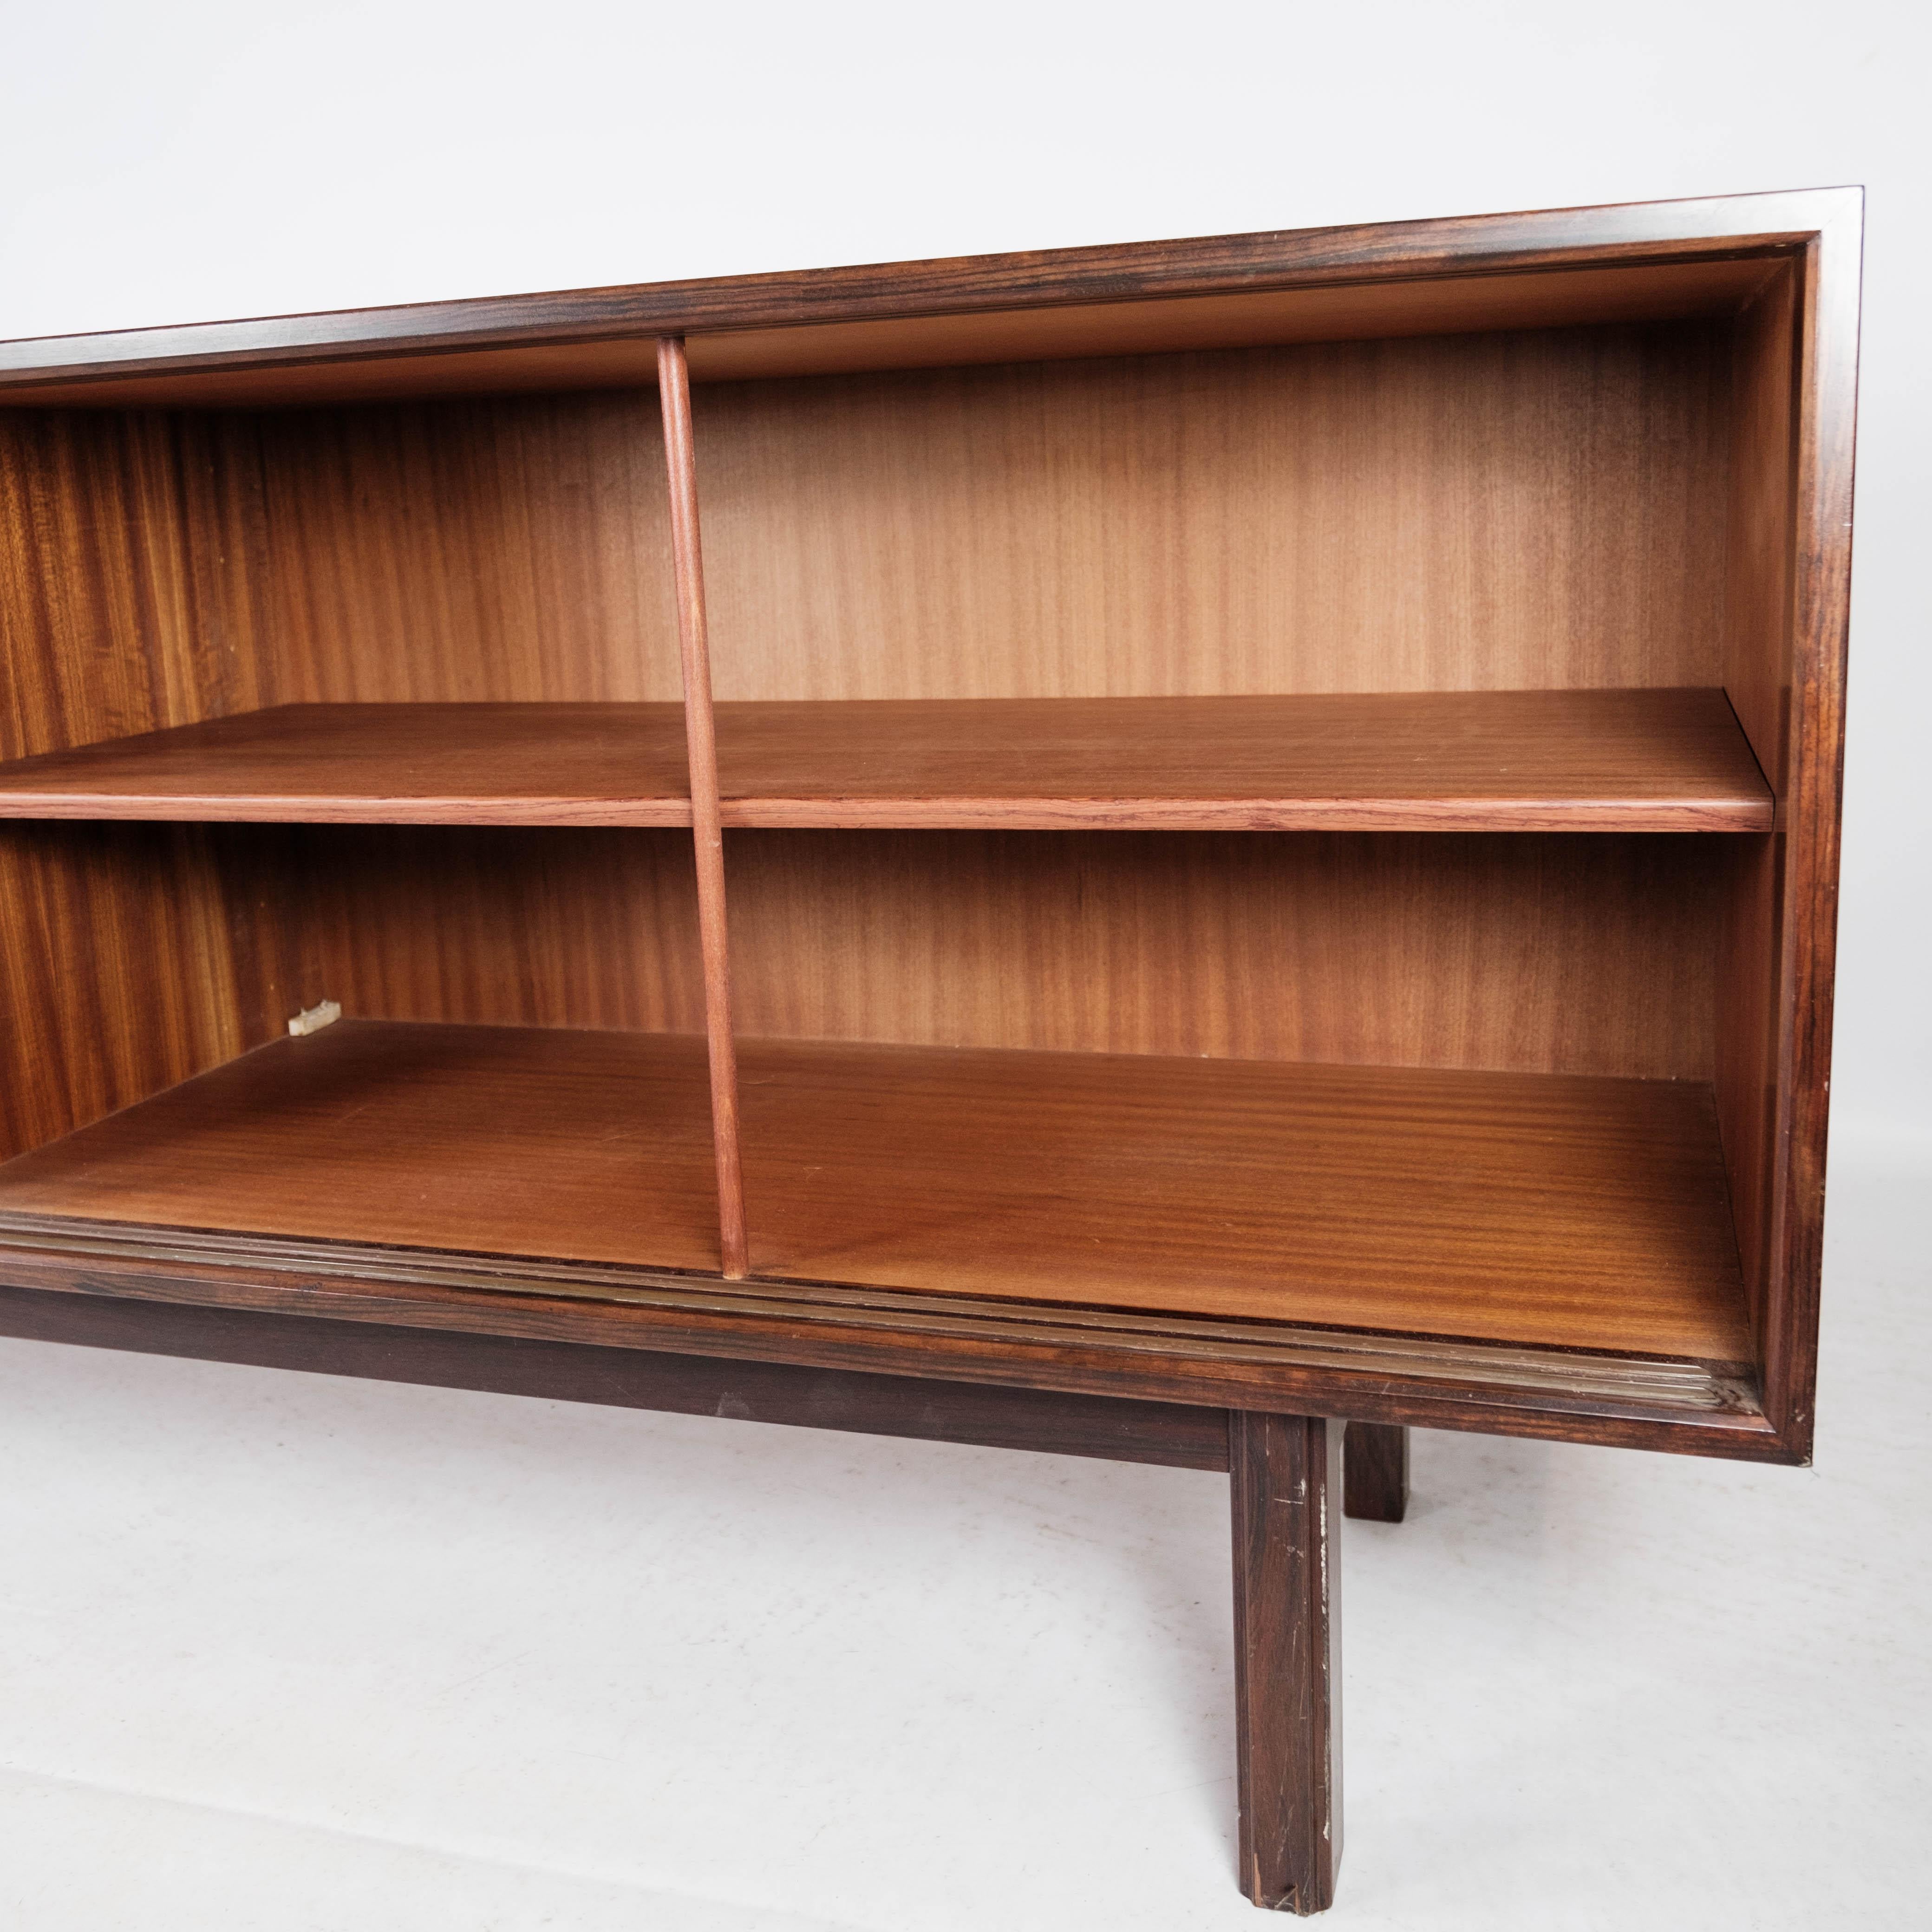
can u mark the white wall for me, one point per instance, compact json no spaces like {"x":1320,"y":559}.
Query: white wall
{"x":211,"y":160}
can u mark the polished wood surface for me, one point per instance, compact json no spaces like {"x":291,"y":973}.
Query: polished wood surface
{"x":1539,"y":1209}
{"x":708,"y":838}
{"x":1644,"y":240}
{"x":1582,"y":953}
{"x":1375,"y":1489}
{"x":1810,"y":815}
{"x":1758,"y":666}
{"x":1569,"y":761}
{"x":494,"y":1139}
{"x":1561,"y":1212}
{"x":1117,"y":1429}
{"x":423,"y":764}
{"x":1286,"y":1482}
{"x":1565,"y":1395}
{"x":1527,"y":760}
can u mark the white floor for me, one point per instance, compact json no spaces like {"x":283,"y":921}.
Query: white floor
{"x":283,"y":1652}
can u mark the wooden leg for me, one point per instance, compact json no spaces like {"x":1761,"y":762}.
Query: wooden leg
{"x":1287,"y":1484}
{"x":1375,"y":1483}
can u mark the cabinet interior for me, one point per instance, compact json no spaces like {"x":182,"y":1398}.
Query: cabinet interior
{"x":1453,"y":1019}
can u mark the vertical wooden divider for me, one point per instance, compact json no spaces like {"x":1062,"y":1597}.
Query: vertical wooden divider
{"x":707,"y":835}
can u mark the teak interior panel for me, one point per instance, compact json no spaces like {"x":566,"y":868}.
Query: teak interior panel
{"x":116,"y":978}
{"x":498,"y":764}
{"x":496,"y":1140}
{"x":1631,"y":761}
{"x":158,"y":571}
{"x":554,"y":928}
{"x":1581,"y":954}
{"x":1533,"y":510}
{"x":1552,"y":760}
{"x":1758,"y":671}
{"x":497,"y":550}
{"x":1551,"y":1211}
{"x":1587,"y":1213}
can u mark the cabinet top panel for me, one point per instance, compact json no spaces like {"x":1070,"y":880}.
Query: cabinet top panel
{"x":1636,"y":261}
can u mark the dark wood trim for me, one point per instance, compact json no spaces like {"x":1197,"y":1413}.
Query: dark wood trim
{"x":1287,"y":1482}
{"x":1639,"y":231}
{"x":1826,"y":416}
{"x":1686,"y":1408}
{"x":1171,"y":1434}
{"x":701,"y":734}
{"x":1375,"y":1485}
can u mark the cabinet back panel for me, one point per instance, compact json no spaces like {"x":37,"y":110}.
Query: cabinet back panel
{"x":157,"y":570}
{"x":511,"y":550}
{"x":1584,"y":954}
{"x":1578,"y":954}
{"x":1536,"y":510}
{"x":493,"y":926}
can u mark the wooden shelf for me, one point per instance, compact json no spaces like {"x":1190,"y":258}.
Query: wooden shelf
{"x":396,"y":764}
{"x":1550,"y":1211}
{"x":1636,"y":761}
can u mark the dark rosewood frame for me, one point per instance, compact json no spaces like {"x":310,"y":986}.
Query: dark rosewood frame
{"x":1250,"y":1400}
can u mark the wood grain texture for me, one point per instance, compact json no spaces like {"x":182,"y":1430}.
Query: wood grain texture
{"x":501,"y":1140}
{"x":1568,"y":1395}
{"x":1647,"y":237}
{"x":1470,"y":761}
{"x":1569,"y":761}
{"x":707,"y":838}
{"x":1116,"y":1429}
{"x":1286,"y":1483}
{"x":115,"y":979}
{"x":1546,"y":1210}
{"x":497,"y":551}
{"x":1758,"y":664}
{"x":1535,"y":511}
{"x":423,"y":764}
{"x":1580,"y":954}
{"x":1539,"y":1209}
{"x":1809,"y":815}
{"x":1376,"y":1488}
{"x":549,"y":928}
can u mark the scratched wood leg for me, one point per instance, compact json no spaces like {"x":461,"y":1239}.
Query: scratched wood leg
{"x":1375,"y":1463}
{"x":1287,"y":1485}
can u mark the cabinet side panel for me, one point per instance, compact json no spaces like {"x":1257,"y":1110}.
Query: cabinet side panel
{"x":511,"y":550}
{"x":1757,"y":678}
{"x":116,"y":978}
{"x":1536,"y":510}
{"x":1809,"y":809}
{"x":1758,"y":665}
{"x":122,"y":609}
{"x":1581,"y":954}
{"x":125,"y":600}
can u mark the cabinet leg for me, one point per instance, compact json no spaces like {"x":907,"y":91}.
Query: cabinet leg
{"x":1287,"y":1486}
{"x":1374,"y":1480}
